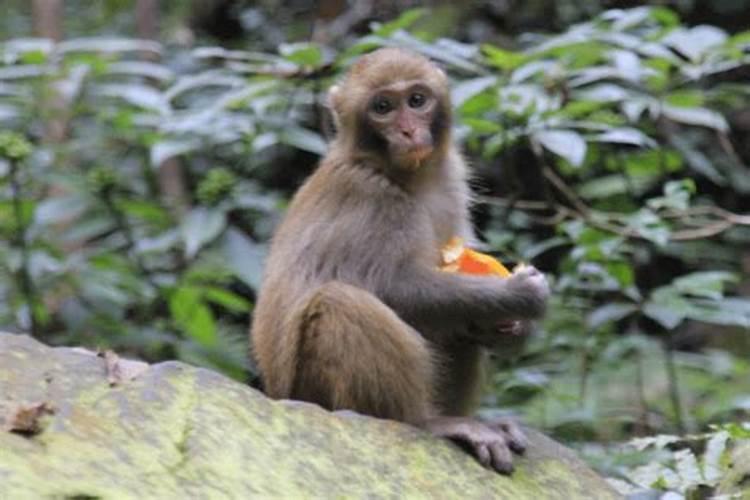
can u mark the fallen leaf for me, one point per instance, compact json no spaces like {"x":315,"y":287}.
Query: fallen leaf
{"x":25,"y":418}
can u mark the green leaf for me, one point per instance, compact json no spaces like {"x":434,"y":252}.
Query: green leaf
{"x":34,"y":57}
{"x":303,"y":53}
{"x":667,"y":308}
{"x":696,"y":116}
{"x":226,"y":299}
{"x":708,"y":284}
{"x":504,"y":59}
{"x":470,"y":88}
{"x":304,"y":139}
{"x":713,"y":457}
{"x":139,"y":95}
{"x":622,"y":272}
{"x":480,"y":126}
{"x":685,"y":99}
{"x":566,"y":143}
{"x":697,"y":160}
{"x":191,"y":314}
{"x":403,"y":22}
{"x":695,"y":43}
{"x":687,"y":468}
{"x":164,"y":150}
{"x":625,"y":135}
{"x":200,"y":226}
{"x":665,"y":16}
{"x":244,"y":257}
{"x":607,"y":313}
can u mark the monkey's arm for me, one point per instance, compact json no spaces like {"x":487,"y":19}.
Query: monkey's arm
{"x":433,"y":297}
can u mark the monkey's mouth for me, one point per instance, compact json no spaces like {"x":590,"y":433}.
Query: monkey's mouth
{"x":415,"y":155}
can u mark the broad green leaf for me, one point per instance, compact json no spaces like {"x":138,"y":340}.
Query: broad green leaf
{"x":503,"y":59}
{"x":480,"y":126}
{"x":470,"y":88}
{"x":697,"y":160}
{"x":604,"y":92}
{"x":604,"y":187}
{"x":108,"y":45}
{"x":696,"y":116}
{"x":226,"y":299}
{"x":688,"y":469}
{"x":139,"y":95}
{"x":200,"y":226}
{"x":166,"y":149}
{"x":23,"y":72}
{"x":708,"y":284}
{"x":713,"y":457}
{"x":404,"y":21}
{"x":303,"y":53}
{"x":244,"y":257}
{"x":667,"y":308}
{"x":565,"y":143}
{"x":202,"y":81}
{"x":685,"y":99}
{"x":622,"y":272}
{"x":696,"y":42}
{"x":625,"y":135}
{"x":614,"y":311}
{"x":304,"y":139}
{"x":192,"y":314}
{"x":144,"y":69}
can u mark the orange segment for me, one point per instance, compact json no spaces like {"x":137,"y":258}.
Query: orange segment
{"x":458,"y":258}
{"x":473,"y":262}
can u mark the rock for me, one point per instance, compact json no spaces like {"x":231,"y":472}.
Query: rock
{"x":175,"y":431}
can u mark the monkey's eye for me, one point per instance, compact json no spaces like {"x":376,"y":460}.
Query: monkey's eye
{"x":381,"y":105}
{"x":417,"y":100}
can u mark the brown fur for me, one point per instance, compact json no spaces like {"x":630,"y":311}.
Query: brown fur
{"x":353,"y":312}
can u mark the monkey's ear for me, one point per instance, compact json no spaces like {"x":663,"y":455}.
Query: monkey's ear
{"x":333,"y":102}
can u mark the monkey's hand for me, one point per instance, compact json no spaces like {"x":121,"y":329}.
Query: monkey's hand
{"x":531,"y":291}
{"x":490,"y":442}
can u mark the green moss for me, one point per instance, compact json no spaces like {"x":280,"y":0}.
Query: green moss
{"x":180,"y":432}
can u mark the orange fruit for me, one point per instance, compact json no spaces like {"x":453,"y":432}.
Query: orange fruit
{"x":458,"y":258}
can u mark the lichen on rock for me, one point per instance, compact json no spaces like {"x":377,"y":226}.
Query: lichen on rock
{"x":176,"y":431}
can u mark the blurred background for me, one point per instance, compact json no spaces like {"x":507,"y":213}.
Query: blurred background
{"x":148,"y":149}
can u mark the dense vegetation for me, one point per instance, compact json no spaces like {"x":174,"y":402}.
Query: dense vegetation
{"x":139,"y":185}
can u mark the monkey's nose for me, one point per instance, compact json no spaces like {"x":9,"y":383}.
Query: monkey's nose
{"x":409,"y":134}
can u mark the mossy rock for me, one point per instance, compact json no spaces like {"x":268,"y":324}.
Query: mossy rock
{"x":129,"y":430}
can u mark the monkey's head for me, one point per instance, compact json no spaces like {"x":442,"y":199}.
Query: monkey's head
{"x":394,"y":104}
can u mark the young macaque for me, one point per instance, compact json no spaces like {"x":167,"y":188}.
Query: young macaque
{"x":354,"y":312}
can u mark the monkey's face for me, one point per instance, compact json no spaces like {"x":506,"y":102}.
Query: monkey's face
{"x":404,"y":116}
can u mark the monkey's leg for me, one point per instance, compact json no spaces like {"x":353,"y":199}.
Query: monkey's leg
{"x":355,"y":353}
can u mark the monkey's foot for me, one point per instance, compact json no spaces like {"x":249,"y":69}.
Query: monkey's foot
{"x":490,"y":442}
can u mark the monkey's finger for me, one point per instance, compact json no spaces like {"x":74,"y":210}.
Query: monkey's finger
{"x":516,"y":439}
{"x":483,"y":455}
{"x":502,"y":460}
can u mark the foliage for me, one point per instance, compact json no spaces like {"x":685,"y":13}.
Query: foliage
{"x":707,"y":465}
{"x":139,"y":187}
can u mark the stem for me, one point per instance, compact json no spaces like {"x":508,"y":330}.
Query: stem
{"x":23,"y":276}
{"x":124,"y":227}
{"x":674,"y":390}
{"x":585,"y":369}
{"x":643,"y":423}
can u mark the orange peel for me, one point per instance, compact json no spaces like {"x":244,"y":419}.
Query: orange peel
{"x":458,"y":258}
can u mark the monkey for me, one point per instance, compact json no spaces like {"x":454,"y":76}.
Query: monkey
{"x":353,"y":313}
